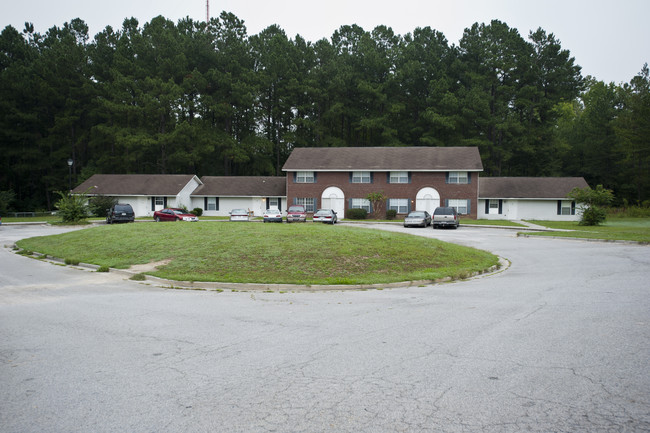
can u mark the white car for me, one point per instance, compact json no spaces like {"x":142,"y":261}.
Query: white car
{"x":239,"y":215}
{"x":273,"y":215}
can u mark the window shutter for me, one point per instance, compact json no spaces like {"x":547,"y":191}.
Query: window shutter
{"x":409,"y":207}
{"x":500,"y":207}
{"x":559,"y":207}
{"x":315,"y":177}
{"x":350,"y":177}
{"x":217,"y":204}
{"x":294,"y":177}
{"x":388,"y":177}
{"x":469,"y":178}
{"x":268,"y":203}
{"x":205,"y":203}
{"x":487,"y":206}
{"x":153,"y":204}
{"x":446,"y":202}
{"x":165,"y":201}
{"x":573,"y":208}
{"x":469,"y":206}
{"x":409,"y":177}
{"x":315,"y":204}
{"x":279,"y":204}
{"x":295,"y":200}
{"x":371,"y":178}
{"x":447,"y":177}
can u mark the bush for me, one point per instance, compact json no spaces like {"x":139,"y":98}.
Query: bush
{"x":357,"y":214}
{"x":72,"y":208}
{"x":197,"y":211}
{"x":391,"y":214}
{"x":100,"y":203}
{"x":593,"y":216}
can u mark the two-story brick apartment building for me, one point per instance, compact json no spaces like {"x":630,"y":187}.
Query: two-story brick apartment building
{"x":413,"y":178}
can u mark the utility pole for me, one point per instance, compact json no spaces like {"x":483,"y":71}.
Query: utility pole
{"x":207,"y":11}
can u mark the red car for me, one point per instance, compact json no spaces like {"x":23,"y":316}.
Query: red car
{"x":173,"y":215}
{"x":296,"y":213}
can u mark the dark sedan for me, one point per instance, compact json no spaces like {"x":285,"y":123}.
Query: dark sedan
{"x":417,"y":218}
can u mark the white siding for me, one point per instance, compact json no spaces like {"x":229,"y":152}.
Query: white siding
{"x":226,"y":204}
{"x":518,"y":209}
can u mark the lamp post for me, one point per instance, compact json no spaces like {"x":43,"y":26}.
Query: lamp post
{"x":70,"y":162}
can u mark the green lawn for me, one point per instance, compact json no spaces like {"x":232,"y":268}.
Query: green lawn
{"x":267,"y":253}
{"x":627,"y":229}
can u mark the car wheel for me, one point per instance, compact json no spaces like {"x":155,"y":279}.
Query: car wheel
{"x":157,"y":219}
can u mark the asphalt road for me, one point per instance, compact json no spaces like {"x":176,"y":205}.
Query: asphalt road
{"x":559,"y":342}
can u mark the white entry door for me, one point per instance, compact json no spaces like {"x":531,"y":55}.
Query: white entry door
{"x":333,"y":198}
{"x":427,"y":199}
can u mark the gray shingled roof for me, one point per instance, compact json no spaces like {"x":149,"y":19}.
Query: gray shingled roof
{"x":528,"y":187}
{"x":135,"y":184}
{"x":242,"y":186}
{"x":384,"y":159}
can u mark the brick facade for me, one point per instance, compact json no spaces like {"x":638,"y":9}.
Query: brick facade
{"x":418,"y":180}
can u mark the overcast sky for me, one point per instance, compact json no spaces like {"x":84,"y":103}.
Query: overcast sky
{"x":609,"y":39}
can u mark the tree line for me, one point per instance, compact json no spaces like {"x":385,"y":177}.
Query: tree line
{"x":209,"y":99}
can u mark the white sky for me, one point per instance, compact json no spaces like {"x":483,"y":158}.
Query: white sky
{"x":609,"y":39}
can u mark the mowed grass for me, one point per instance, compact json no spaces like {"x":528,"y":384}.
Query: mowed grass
{"x":626,"y":229}
{"x":267,"y":253}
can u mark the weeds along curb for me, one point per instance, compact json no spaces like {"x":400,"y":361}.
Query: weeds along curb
{"x":570,"y":238}
{"x":261,"y":287}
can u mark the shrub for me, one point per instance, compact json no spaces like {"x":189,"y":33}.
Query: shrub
{"x":197,"y":211}
{"x":357,"y":214}
{"x":138,"y":277}
{"x":103,"y":269}
{"x":594,"y":200}
{"x":391,"y":214}
{"x":72,"y":207}
{"x":100,"y":203}
{"x":73,"y":262}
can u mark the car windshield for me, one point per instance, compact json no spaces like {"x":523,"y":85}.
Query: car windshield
{"x":179,"y":211}
{"x":296,"y":209}
{"x":416,"y":215}
{"x":323,"y":213}
{"x":122,"y":208}
{"x":444,"y":211}
{"x":273,"y":211}
{"x":238,"y":212}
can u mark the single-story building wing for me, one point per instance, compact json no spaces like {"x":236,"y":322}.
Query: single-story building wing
{"x":146,"y":193}
{"x":218,"y":195}
{"x":539,"y":198}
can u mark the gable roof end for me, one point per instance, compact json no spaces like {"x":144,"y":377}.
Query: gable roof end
{"x":135,"y":184}
{"x":242,"y":186}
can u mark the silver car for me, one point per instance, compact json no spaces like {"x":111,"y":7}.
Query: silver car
{"x":419,"y":218}
{"x":325,"y":216}
{"x":239,"y":215}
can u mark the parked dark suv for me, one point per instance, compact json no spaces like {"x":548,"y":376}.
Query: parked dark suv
{"x":120,"y":213}
{"x":445,"y":216}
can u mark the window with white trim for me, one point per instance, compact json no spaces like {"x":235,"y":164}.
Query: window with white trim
{"x":399,"y":177}
{"x":360,"y":203}
{"x":160,"y":201}
{"x":274,"y":202}
{"x":401,"y":205}
{"x":458,"y":177}
{"x":461,"y":205}
{"x":360,"y":177}
{"x":307,"y":202}
{"x":305,"y":177}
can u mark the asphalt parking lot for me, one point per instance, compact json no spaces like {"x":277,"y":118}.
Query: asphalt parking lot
{"x":560,"y":341}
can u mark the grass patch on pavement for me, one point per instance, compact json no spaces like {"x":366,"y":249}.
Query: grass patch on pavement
{"x":625,"y":229}
{"x":267,"y":253}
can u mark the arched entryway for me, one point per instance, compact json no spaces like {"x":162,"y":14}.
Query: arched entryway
{"x":427,"y":199}
{"x":333,"y":198}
